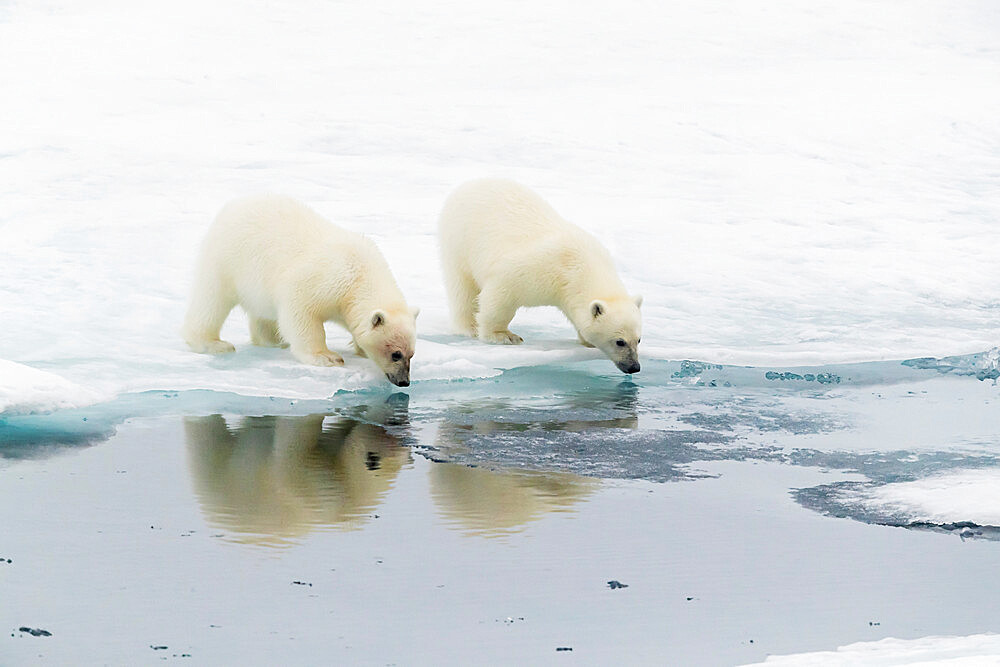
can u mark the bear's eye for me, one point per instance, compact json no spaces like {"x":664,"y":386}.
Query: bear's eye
{"x":397,"y":355}
{"x":620,"y":342}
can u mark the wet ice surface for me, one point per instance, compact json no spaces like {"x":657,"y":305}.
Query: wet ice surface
{"x":480,"y":519}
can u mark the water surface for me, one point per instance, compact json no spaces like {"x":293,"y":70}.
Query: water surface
{"x":483,"y":521}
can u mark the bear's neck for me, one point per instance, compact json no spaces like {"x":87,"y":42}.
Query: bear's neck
{"x":578,"y":297}
{"x":365,"y":299}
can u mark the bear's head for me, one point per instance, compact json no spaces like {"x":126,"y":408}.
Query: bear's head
{"x":388,"y":339}
{"x":614,"y":326}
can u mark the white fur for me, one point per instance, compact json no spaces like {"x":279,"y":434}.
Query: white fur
{"x":503,"y":247}
{"x":292,"y":270}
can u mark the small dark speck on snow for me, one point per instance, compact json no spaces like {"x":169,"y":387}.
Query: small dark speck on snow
{"x":564,"y":648}
{"x":34,"y":632}
{"x":158,"y":648}
{"x":302,"y":583}
{"x":615,"y":584}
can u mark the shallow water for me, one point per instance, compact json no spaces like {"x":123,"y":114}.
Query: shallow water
{"x":483,"y":521}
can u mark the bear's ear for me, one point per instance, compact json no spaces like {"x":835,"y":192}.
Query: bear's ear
{"x":597,"y":308}
{"x":378,"y":319}
{"x":637,"y":298}
{"x":414,"y":311}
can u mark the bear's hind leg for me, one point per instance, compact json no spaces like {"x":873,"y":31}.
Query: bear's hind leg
{"x":209,"y":308}
{"x":307,"y":338}
{"x":265,"y":333}
{"x":495,"y":313}
{"x":463,"y":293}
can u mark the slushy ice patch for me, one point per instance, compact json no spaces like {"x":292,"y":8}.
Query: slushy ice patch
{"x":654,"y":434}
{"x":614,"y":453}
{"x":753,"y":415}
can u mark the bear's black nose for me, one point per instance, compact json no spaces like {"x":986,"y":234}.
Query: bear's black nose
{"x":403,"y":383}
{"x":634,"y":368}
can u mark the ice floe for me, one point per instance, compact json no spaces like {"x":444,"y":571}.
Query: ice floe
{"x":969,"y":651}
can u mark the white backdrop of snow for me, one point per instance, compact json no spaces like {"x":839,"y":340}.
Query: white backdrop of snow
{"x":784,"y":183}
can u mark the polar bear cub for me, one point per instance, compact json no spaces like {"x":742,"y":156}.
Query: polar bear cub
{"x":292,"y":270}
{"x":504,"y":247}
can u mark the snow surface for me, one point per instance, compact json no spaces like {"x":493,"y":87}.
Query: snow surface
{"x":785,"y":183}
{"x":970,"y":651}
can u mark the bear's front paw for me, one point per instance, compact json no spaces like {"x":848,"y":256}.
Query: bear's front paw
{"x":212,"y":346}
{"x":503,"y":338}
{"x":327,"y":359}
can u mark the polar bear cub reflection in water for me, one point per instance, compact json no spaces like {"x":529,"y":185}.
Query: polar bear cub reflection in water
{"x":504,"y":247}
{"x":291,"y":271}
{"x":273,"y":479}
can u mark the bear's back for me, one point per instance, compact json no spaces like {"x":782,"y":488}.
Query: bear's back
{"x":491,"y":223}
{"x":277,"y":222}
{"x":264,"y":245}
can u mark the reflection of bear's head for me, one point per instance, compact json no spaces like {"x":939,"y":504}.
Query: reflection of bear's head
{"x":388,"y":339}
{"x":493,"y":503}
{"x":275,"y":478}
{"x":614,"y":326}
